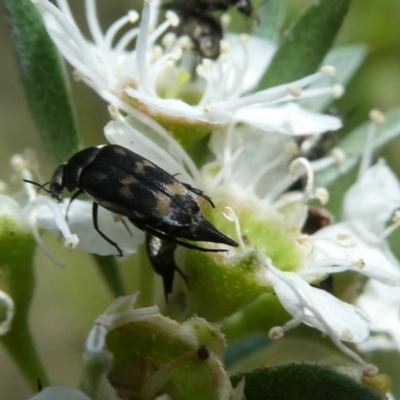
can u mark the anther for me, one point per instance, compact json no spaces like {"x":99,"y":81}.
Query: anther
{"x":17,"y":162}
{"x":201,"y":71}
{"x":185,"y":42}
{"x":113,"y":111}
{"x":168,"y":39}
{"x":329,"y":70}
{"x":225,"y":20}
{"x":338,"y":91}
{"x":133,"y":16}
{"x":225,"y":46}
{"x":173,"y":18}
{"x":322,"y":195}
{"x":156,"y":53}
{"x":294,"y":90}
{"x":207,"y":107}
{"x":339,"y":155}
{"x":370,"y":370}
{"x":360,"y":264}
{"x":78,"y":75}
{"x":347,"y":335}
{"x":71,"y":243}
{"x":292,"y":148}
{"x":276,"y":333}
{"x":376,"y":116}
{"x":177,"y":53}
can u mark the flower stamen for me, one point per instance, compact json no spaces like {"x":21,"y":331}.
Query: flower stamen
{"x":230,"y":215}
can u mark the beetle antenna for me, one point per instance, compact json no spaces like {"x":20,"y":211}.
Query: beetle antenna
{"x":38,"y":184}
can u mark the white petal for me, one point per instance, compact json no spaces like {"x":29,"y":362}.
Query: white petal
{"x":379,"y":262}
{"x":179,"y":108}
{"x":289,"y":119}
{"x":372,"y":200}
{"x":80,"y":222}
{"x":382,"y":303}
{"x":263,"y":158}
{"x":258,"y":55}
{"x":10,"y":209}
{"x":319,"y":308}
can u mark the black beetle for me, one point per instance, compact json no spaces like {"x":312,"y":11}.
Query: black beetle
{"x":153,"y":200}
{"x":198,"y":22}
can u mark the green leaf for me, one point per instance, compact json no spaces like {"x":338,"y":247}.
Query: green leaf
{"x":43,"y":79}
{"x":270,"y":15}
{"x":353,"y":146}
{"x":346,"y":60}
{"x":303,"y":382}
{"x":306,"y":43}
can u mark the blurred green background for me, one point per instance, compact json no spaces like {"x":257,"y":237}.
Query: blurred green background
{"x":68,"y":300}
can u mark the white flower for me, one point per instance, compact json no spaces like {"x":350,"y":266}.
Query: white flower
{"x":359,"y":243}
{"x":157,"y":77}
{"x":306,"y":304}
{"x":34,"y":211}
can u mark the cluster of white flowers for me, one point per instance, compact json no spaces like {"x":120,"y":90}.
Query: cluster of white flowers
{"x":253,"y":143}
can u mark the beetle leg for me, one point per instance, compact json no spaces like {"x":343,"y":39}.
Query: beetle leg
{"x":161,"y":254}
{"x":126,"y":226}
{"x":73,"y":197}
{"x":96,"y":226}
{"x":199,"y":193}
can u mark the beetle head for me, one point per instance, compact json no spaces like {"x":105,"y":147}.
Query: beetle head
{"x":56,"y":182}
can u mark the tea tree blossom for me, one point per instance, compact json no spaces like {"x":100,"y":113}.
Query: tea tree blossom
{"x":143,"y":78}
{"x":163,"y":99}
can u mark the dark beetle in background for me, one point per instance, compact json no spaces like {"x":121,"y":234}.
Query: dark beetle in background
{"x":201,"y":26}
{"x":128,"y":184}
